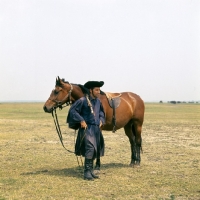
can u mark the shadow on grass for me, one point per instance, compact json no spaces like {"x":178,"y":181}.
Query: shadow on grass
{"x":73,"y":172}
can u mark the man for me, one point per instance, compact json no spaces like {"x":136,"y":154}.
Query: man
{"x":88,"y":111}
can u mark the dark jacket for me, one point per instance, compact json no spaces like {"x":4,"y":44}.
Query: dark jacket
{"x":91,"y":137}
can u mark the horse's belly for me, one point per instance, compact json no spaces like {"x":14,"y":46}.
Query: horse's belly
{"x":121,"y":118}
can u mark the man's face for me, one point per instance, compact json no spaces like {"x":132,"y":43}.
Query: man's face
{"x":95,"y":92}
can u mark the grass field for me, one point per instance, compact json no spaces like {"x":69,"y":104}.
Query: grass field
{"x":35,"y":166}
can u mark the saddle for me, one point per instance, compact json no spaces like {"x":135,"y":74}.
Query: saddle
{"x":114,"y":102}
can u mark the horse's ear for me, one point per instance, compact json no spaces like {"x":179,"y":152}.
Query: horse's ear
{"x":57,"y":80}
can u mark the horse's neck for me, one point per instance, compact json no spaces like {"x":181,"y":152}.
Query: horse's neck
{"x":76,"y":92}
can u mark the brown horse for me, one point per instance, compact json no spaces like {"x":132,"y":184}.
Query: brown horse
{"x":129,"y":114}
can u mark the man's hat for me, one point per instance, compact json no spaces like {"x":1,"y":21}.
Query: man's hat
{"x":92,"y":84}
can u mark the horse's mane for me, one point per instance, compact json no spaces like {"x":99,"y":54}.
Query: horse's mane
{"x":84,"y":89}
{"x":103,"y":93}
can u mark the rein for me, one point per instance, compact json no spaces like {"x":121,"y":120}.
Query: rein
{"x":57,"y":125}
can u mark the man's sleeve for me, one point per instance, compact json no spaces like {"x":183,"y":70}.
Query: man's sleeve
{"x":102,"y":114}
{"x":74,"y":112}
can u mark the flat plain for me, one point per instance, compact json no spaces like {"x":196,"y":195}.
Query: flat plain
{"x":34,"y":165}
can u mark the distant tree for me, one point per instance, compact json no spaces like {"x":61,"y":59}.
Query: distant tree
{"x":174,"y":102}
{"x":161,"y":101}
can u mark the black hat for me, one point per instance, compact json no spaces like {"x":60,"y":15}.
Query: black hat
{"x":92,"y":84}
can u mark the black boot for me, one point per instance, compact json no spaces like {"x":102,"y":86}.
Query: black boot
{"x":87,"y":170}
{"x":92,"y":171}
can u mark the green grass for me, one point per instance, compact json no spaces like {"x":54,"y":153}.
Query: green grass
{"x":34,"y":165}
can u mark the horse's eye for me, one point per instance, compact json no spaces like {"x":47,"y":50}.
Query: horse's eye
{"x":56,"y":92}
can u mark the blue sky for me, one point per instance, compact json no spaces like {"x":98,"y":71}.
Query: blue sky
{"x":149,"y":47}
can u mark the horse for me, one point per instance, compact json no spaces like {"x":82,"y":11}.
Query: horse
{"x":129,"y":113}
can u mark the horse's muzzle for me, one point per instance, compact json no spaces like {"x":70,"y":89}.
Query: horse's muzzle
{"x":47,"y":110}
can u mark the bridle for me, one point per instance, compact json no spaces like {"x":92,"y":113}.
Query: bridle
{"x":67,"y":99}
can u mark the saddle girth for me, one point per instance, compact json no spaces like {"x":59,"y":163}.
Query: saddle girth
{"x":114,"y":102}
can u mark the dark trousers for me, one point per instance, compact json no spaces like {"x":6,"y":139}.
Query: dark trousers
{"x":92,"y":142}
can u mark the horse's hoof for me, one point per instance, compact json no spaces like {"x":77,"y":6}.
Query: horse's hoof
{"x":131,"y":164}
{"x":136,"y":164}
{"x":97,"y":171}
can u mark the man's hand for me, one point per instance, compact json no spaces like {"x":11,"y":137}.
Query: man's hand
{"x":100,"y":125}
{"x":83,"y":124}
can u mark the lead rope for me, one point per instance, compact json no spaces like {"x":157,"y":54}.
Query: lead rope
{"x":55,"y":118}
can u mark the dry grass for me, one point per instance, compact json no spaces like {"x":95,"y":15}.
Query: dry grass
{"x":35,"y":166}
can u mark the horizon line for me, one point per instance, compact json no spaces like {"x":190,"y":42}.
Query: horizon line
{"x":149,"y":101}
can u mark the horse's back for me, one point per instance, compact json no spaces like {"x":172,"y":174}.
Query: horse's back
{"x":130,"y":98}
{"x":131,"y":108}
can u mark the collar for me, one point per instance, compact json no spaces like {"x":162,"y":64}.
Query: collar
{"x":91,"y":98}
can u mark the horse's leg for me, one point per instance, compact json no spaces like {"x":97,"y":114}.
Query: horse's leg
{"x":98,"y":164}
{"x":137,"y":128}
{"x":131,"y":136}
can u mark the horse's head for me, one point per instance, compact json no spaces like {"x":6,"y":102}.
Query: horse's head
{"x":59,"y":96}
